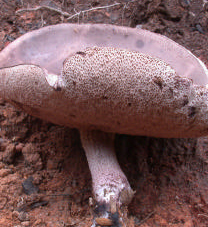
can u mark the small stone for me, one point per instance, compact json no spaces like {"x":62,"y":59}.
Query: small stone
{"x":139,"y":26}
{"x":199,"y":28}
{"x":185,"y":3}
{"x":23,"y":216}
{"x":28,"y":186}
{"x":104,"y":221}
{"x":15,"y":214}
{"x":19,"y":147}
{"x":25,"y":223}
{"x":38,"y":222}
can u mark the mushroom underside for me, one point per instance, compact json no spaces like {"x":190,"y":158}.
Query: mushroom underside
{"x":37,"y":47}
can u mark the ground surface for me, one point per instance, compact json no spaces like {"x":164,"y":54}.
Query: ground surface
{"x":170,"y":176}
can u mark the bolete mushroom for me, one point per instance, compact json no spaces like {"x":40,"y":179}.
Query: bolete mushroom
{"x":104,"y":79}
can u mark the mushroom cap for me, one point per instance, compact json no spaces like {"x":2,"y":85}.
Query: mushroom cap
{"x":133,"y":82}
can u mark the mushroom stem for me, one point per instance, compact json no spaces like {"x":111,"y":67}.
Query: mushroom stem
{"x":110,"y":186}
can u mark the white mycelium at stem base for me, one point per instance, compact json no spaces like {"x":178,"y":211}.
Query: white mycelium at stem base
{"x":109,"y":182}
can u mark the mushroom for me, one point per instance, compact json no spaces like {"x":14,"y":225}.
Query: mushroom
{"x":102,"y":80}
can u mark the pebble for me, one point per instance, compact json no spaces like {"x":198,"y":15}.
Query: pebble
{"x":139,"y":26}
{"x":19,"y":147}
{"x":38,"y":222}
{"x":15,"y":214}
{"x":199,"y":28}
{"x":103,"y":221}
{"x":25,"y":223}
{"x":23,"y":216}
{"x":28,"y":186}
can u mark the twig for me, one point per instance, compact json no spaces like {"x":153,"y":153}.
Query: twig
{"x":92,"y":9}
{"x":204,"y":215}
{"x":125,"y":6}
{"x":147,"y":217}
{"x":65,"y":14}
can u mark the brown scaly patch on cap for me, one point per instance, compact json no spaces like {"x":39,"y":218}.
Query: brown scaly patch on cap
{"x":144,"y":94}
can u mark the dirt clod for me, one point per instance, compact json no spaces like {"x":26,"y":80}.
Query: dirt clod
{"x":9,"y":154}
{"x":31,"y":156}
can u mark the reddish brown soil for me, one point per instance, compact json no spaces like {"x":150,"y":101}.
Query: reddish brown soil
{"x":170,"y":176}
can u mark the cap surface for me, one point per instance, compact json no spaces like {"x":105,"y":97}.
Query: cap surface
{"x":129,"y":92}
